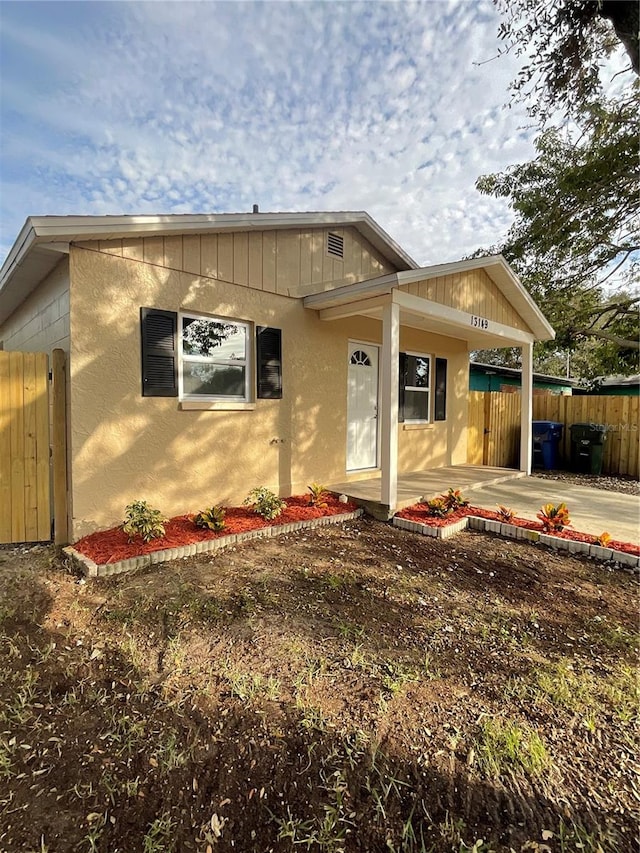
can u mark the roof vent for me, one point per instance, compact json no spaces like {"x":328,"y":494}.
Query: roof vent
{"x":255,"y":208}
{"x":335,"y":245}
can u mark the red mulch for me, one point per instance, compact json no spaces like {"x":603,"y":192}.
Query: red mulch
{"x":111,"y":546}
{"x":419,"y":513}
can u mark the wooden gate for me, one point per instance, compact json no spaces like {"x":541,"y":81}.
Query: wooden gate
{"x":32,"y":431}
{"x":493,"y":432}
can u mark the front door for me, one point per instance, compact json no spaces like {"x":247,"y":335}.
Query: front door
{"x":362,"y":407}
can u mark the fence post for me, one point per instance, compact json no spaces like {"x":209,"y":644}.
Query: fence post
{"x":59,"y":448}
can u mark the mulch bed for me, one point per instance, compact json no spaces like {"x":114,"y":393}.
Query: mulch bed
{"x":111,"y":546}
{"x":420,"y":513}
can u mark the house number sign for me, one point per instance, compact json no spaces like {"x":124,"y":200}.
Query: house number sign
{"x":479,"y":322}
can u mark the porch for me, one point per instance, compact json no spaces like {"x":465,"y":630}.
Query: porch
{"x":419,"y":485}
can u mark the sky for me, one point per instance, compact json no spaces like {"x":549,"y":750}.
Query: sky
{"x":209,"y":107}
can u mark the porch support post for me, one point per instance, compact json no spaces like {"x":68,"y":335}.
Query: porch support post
{"x":389,"y":404}
{"x":526,"y":412}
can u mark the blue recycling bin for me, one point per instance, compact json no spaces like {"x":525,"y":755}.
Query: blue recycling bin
{"x":546,"y":444}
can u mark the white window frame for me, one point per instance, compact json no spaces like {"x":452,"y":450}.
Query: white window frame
{"x":422,"y":389}
{"x":220,"y":400}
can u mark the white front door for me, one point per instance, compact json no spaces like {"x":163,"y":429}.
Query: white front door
{"x":362,"y":407}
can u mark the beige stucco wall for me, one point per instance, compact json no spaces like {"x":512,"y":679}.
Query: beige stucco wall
{"x":125,"y":446}
{"x":472,"y":291}
{"x":41,"y":322}
{"x":291,"y":262}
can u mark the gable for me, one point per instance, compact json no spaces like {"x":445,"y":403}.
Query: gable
{"x":291,"y":262}
{"x":472,"y":291}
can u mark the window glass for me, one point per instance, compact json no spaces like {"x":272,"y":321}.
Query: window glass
{"x":417,"y":371}
{"x":415,"y":390}
{"x":416,"y":406}
{"x":214,"y":358}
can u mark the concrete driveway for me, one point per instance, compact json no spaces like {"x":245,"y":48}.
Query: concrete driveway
{"x":591,"y":510}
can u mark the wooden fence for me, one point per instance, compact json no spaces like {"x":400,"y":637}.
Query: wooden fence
{"x":32,"y":437}
{"x":494,"y":427}
{"x":620,"y":415}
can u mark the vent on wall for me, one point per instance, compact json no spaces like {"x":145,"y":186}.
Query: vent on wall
{"x":335,"y":245}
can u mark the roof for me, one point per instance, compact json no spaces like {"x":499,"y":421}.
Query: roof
{"x":609,"y":381}
{"x":516,"y":373}
{"x":43,"y":240}
{"x":495,"y":266}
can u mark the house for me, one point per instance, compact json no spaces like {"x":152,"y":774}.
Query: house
{"x":491,"y":377}
{"x":619,"y":386}
{"x":208,"y":354}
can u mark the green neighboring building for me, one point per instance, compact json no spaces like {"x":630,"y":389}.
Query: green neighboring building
{"x":490,"y":377}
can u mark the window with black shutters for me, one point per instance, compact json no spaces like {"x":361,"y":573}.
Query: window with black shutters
{"x":415,"y":388}
{"x":214,"y":359}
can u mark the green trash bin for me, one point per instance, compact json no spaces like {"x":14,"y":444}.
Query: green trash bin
{"x":587,"y":447}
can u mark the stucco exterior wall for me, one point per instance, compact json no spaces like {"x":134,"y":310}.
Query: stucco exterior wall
{"x":472,"y":291}
{"x":41,"y":322}
{"x":290,"y":262}
{"x":124,"y":446}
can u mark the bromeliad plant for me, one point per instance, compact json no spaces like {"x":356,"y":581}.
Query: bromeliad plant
{"x":265,"y":503}
{"x":554,"y":518}
{"x":505,"y":514}
{"x":317,"y":495}
{"x":211,"y":518}
{"x":142,"y":520}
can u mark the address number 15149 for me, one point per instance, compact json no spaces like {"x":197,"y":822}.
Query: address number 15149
{"x":479,"y":322}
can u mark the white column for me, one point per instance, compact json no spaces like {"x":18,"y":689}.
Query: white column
{"x":526,"y":412}
{"x":389,"y":404}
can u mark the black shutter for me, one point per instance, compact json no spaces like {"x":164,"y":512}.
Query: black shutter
{"x":401,"y":383}
{"x":269,"y":363}
{"x":440,"y":413}
{"x":159,"y":352}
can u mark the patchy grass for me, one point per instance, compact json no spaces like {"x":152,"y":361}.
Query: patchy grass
{"x":350,"y":689}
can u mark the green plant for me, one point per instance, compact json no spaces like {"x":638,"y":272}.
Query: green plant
{"x":437,"y":507}
{"x":264,"y":502}
{"x":604,"y":539}
{"x":505,"y":514}
{"x":454,"y":499}
{"x":142,"y":520}
{"x":211,"y":518}
{"x":504,"y":746}
{"x":317,"y":495}
{"x":554,"y":518}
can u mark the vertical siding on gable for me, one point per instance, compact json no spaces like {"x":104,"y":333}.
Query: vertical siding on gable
{"x":291,"y":262}
{"x":269,"y":250}
{"x":133,"y":248}
{"x":240,"y":258}
{"x":473,"y":292}
{"x":173,"y":254}
{"x":209,"y":255}
{"x":191,"y":253}
{"x":255,"y":260}
{"x":225,"y":257}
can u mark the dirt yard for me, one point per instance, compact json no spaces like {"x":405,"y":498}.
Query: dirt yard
{"x":356,"y":688}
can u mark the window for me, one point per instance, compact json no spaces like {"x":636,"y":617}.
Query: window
{"x":415,"y":387}
{"x":214,"y":359}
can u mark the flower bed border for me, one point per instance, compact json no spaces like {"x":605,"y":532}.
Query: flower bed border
{"x":512,"y":531}
{"x":94,"y":570}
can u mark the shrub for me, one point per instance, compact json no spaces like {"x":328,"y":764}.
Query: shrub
{"x":211,"y":518}
{"x":554,"y":518}
{"x":505,"y":514}
{"x":454,"y":500}
{"x":603,"y":539}
{"x":265,"y":503}
{"x":317,"y":495}
{"x":438,"y":507}
{"x":142,"y":520}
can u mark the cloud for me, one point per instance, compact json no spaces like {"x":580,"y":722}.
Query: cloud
{"x":205,"y":107}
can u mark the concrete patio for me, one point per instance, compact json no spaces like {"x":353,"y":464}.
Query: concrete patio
{"x":421,"y":485}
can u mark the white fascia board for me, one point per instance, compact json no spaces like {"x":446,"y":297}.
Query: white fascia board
{"x":461,"y":320}
{"x":370,"y":287}
{"x":20,"y":248}
{"x":81,"y":228}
